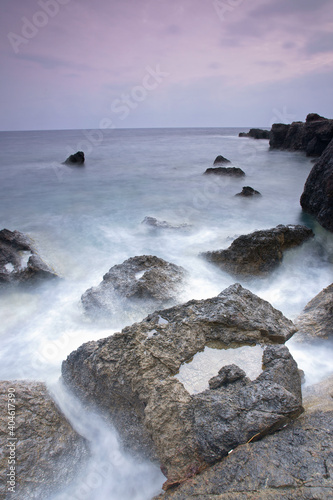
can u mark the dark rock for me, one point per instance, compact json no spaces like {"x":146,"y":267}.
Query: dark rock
{"x":226,"y":375}
{"x":19,"y":261}
{"x":48,"y":451}
{"x":317,"y":196}
{"x":225,"y":171}
{"x":294,"y":463}
{"x":220,"y":159}
{"x":259,"y":253}
{"x":130,"y":375}
{"x":256,"y":133}
{"x":75,"y":159}
{"x":145,"y":280}
{"x":313,"y":136}
{"x":248,"y":191}
{"x":162,"y":224}
{"x":316,"y":320}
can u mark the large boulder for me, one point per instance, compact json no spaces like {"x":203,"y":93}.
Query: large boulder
{"x":43,"y":448}
{"x":19,"y":261}
{"x":256,"y":133}
{"x":131,"y":376}
{"x":258,"y":253}
{"x":313,"y":136}
{"x":142,"y":281}
{"x":75,"y":159}
{"x":317,"y":197}
{"x":294,"y":463}
{"x":316,"y":320}
{"x":225,"y":171}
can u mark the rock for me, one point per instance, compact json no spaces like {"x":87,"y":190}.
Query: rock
{"x":293,"y":463}
{"x":145,"y":281}
{"x":256,"y":133}
{"x":75,"y":159}
{"x":162,"y":224}
{"x":48,"y":452}
{"x":248,"y":191}
{"x":313,"y":136}
{"x":317,"y":196}
{"x":316,"y":320}
{"x":225,"y":171}
{"x":220,"y":159}
{"x":131,"y":377}
{"x":258,"y":253}
{"x":19,"y":261}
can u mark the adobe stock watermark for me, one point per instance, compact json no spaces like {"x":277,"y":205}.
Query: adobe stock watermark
{"x":224,"y":7}
{"x":281,"y":116}
{"x":120,"y":108}
{"x":31,"y":27}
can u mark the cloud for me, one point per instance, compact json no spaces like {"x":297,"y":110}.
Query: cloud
{"x":319,"y":43}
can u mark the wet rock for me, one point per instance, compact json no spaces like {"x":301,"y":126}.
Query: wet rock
{"x":75,"y":159}
{"x":131,"y":376}
{"x":225,"y":171}
{"x":19,"y":261}
{"x":317,"y":196}
{"x":247,"y":191}
{"x":313,"y":136}
{"x":48,"y":452}
{"x":316,"y":320}
{"x":259,"y":253}
{"x":162,"y":224}
{"x":255,"y":133}
{"x":220,"y":159}
{"x":294,"y":463}
{"x":144,"y":280}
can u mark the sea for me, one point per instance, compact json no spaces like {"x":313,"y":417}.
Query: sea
{"x":84,"y":220}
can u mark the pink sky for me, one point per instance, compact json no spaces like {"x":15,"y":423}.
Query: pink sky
{"x":164,"y":63}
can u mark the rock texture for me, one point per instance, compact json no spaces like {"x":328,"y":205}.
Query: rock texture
{"x":220,"y":159}
{"x":19,"y":261}
{"x":313,"y":136}
{"x":144,"y":280}
{"x":294,"y":463}
{"x":131,"y":377}
{"x":256,"y":133}
{"x":316,"y":321}
{"x":47,"y":451}
{"x":259,"y":253}
{"x":317,"y":197}
{"x":225,"y":171}
{"x":162,"y":224}
{"x":247,"y":192}
{"x":75,"y":159}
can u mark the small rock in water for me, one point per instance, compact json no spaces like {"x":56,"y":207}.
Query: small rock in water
{"x":162,"y":224}
{"x":220,"y":159}
{"x":225,"y":171}
{"x":75,"y":159}
{"x":248,"y":191}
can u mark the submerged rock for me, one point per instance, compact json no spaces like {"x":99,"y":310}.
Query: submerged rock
{"x":255,"y":133}
{"x":316,"y":320}
{"x":259,"y":253}
{"x":75,"y":159}
{"x":19,"y":261}
{"x":47,"y":451}
{"x":131,"y":376}
{"x":162,"y":224}
{"x":145,"y":279}
{"x":317,"y":197}
{"x":225,"y":171}
{"x":220,"y":159}
{"x":247,"y":191}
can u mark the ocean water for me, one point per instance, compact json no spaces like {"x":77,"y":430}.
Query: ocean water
{"x":85,"y":220}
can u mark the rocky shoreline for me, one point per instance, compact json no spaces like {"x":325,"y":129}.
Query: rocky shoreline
{"x":240,"y":437}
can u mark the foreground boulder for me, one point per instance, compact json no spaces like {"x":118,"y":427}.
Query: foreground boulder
{"x":316,"y":320}
{"x":317,"y":197}
{"x":45,"y":450}
{"x":255,"y":133}
{"x":225,"y":171}
{"x":220,"y":159}
{"x":247,"y":192}
{"x":258,"y":253}
{"x":131,"y":377}
{"x":162,"y":224}
{"x":19,"y":261}
{"x":313,"y":136}
{"x":75,"y":159}
{"x":143,"y":281}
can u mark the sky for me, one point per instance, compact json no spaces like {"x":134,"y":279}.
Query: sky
{"x":89,"y":64}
